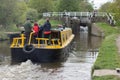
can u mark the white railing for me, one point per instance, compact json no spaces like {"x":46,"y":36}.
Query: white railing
{"x":72,"y":14}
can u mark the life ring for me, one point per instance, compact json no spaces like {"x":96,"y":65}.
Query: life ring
{"x":28,"y":48}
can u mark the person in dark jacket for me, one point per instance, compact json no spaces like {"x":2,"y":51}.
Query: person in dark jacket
{"x":47,"y":29}
{"x":28,"y":29}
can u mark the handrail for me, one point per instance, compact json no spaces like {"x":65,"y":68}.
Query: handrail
{"x":42,"y":39}
{"x":16,"y":40}
{"x":74,"y":14}
{"x":45,"y":42}
{"x":30,"y":38}
{"x":53,"y":41}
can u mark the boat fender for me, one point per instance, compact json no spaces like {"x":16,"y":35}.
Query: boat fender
{"x":28,"y":48}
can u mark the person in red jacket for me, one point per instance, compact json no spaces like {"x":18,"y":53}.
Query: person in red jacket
{"x":35,"y":29}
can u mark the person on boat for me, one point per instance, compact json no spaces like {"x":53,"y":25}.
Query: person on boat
{"x":47,"y":28}
{"x":60,"y":27}
{"x":27,"y":28}
{"x":40,"y":34}
{"x":35,"y":29}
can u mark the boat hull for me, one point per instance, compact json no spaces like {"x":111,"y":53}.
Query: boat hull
{"x":40,"y":55}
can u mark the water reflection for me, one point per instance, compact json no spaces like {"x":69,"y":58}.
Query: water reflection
{"x":77,"y":67}
{"x":4,"y":52}
{"x":4,"y":48}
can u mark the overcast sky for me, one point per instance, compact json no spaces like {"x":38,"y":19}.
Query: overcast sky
{"x":98,"y":3}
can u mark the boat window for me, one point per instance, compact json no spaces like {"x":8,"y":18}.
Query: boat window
{"x":55,"y":35}
{"x":63,"y":37}
{"x":66,"y":36}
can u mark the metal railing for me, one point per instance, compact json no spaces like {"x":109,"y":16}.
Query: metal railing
{"x":18,"y":41}
{"x":73,"y":14}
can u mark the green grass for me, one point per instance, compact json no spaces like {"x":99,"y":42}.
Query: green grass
{"x":108,"y":57}
{"x":54,"y":23}
{"x":108,"y":30}
{"x":107,"y":78}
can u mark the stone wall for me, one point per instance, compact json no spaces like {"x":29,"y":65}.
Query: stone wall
{"x":96,"y":31}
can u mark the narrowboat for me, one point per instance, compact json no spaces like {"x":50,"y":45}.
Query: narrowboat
{"x":40,"y":51}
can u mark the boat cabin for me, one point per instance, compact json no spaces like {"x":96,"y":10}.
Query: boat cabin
{"x":58,"y":39}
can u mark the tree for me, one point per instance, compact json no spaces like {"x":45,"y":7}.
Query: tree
{"x":20,"y":12}
{"x":74,"y":5}
{"x":68,"y":5}
{"x":12,"y":12}
{"x":7,"y":9}
{"x":106,"y":7}
{"x":32,"y":14}
{"x":85,"y":6}
{"x":114,"y":8}
{"x":41,"y":5}
{"x":55,"y":5}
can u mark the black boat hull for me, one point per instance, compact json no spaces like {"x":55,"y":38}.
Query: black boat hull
{"x":40,"y":55}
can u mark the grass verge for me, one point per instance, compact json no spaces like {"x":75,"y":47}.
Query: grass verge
{"x":107,"y":78}
{"x":108,"y":57}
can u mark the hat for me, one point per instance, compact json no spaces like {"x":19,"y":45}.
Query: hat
{"x":35,"y":24}
{"x":27,"y":18}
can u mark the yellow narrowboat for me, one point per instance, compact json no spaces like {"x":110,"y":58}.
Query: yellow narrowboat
{"x":57,"y":50}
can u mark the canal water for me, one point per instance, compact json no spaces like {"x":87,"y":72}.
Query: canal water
{"x":77,"y":67}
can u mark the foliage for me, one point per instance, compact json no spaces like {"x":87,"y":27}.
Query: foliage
{"x":7,"y":9}
{"x":12,"y":11}
{"x":41,"y":5}
{"x":113,"y":7}
{"x":85,"y":6}
{"x":116,"y":10}
{"x":11,"y":28}
{"x":106,"y":7}
{"x":68,"y":5}
{"x":72,"y":5}
{"x":56,"y":5}
{"x":32,"y":14}
{"x":20,"y":15}
{"x":54,"y":23}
